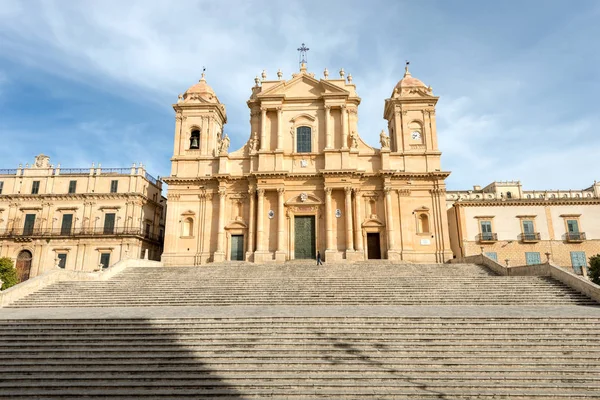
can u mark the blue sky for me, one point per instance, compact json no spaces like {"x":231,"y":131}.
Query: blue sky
{"x":93,"y":81}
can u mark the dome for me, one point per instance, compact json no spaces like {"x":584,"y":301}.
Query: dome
{"x":201,"y":91}
{"x":409,"y":82}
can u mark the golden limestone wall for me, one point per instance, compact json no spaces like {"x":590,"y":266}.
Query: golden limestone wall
{"x":305,"y":158}
{"x":51,"y":215}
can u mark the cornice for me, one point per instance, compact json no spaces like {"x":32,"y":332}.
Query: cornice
{"x":70,"y":196}
{"x":526,"y":202}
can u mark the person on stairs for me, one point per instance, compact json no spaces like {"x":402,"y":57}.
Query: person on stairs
{"x":319,"y":258}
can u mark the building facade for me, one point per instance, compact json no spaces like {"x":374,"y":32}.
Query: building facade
{"x":305,"y":182}
{"x":78,"y":218}
{"x":522,"y":227}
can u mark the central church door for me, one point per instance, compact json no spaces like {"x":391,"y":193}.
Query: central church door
{"x":373,"y":246}
{"x":237,"y":247}
{"x":304,"y":240}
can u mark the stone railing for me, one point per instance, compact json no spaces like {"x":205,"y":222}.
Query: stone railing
{"x":548,"y":268}
{"x":59,"y":275}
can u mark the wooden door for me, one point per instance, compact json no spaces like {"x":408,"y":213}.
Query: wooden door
{"x":24,"y":265}
{"x":304,"y":237}
{"x":237,"y":247}
{"x":373,"y":246}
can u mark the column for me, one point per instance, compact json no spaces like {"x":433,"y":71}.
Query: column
{"x":221,"y":237}
{"x":260,"y":246}
{"x":329,"y":220}
{"x":389,"y":219}
{"x":348,"y":211}
{"x":328,"y":141}
{"x":204,"y":136}
{"x":279,"y":128}
{"x":263,"y":129}
{"x":178,"y":138}
{"x":344,"y":127}
{"x":251,"y":194}
{"x":358,"y":242}
{"x":280,"y":256}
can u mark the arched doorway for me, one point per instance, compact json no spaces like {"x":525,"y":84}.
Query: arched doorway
{"x":24,"y":265}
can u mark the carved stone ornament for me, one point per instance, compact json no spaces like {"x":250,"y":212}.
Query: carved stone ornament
{"x":303,"y":197}
{"x":271,"y":214}
{"x":303,"y":163}
{"x":42,"y":161}
{"x":338,"y":213}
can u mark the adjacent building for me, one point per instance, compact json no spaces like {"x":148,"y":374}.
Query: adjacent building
{"x":305,"y":181}
{"x":78,"y":219}
{"x":520,"y":227}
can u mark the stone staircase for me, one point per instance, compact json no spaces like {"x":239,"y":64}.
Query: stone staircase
{"x":238,"y":331}
{"x":292,"y":284}
{"x":302,"y":358}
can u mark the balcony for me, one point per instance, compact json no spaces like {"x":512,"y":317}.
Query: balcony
{"x":20,"y":234}
{"x":487,"y":237}
{"x":531,"y":237}
{"x":575,"y":237}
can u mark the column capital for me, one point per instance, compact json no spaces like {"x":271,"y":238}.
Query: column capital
{"x":263,"y":109}
{"x":343,"y":107}
{"x":251,"y":192}
{"x":357,"y":192}
{"x":281,"y":191}
{"x":387,"y":190}
{"x":327,"y":107}
{"x":279,"y":109}
{"x":261,"y":192}
{"x":222,"y":192}
{"x":348,"y":190}
{"x":328,"y":191}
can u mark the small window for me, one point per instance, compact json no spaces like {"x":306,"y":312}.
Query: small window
{"x":508,"y":195}
{"x":114,"y":186}
{"x":195,"y":140}
{"x":67,"y":224}
{"x":62,"y":260}
{"x":72,"y":186}
{"x":109,"y":224}
{"x":573,"y":226}
{"x":35,"y":187}
{"x":527,"y":227}
{"x":532,"y":258}
{"x":105,"y":259}
{"x":29,"y":224}
{"x":303,"y":140}
{"x":147,"y":230}
{"x":486,"y":230}
{"x":1,"y":186}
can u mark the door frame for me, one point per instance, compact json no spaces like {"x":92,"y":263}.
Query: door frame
{"x":235,"y":228}
{"x":230,"y":236}
{"x":30,"y":251}
{"x":367,"y":246}
{"x":302,"y":211}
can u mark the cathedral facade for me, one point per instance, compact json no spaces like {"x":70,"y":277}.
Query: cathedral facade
{"x":305,"y":181}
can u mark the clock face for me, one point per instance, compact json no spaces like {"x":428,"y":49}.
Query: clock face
{"x":416,"y":135}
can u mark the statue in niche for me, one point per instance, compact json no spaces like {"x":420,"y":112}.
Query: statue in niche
{"x":254,"y":142}
{"x":384,"y":140}
{"x":224,"y":145}
{"x":373,"y":209}
{"x":238,"y":210}
{"x":353,"y":140}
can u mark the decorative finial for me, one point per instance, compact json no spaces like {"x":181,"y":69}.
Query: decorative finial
{"x":303,"y":49}
{"x":303,"y":67}
{"x":180,"y":98}
{"x":279,"y":74}
{"x":256,"y":80}
{"x":349,"y":78}
{"x":203,"y":77}
{"x":406,"y":72}
{"x":264,"y":75}
{"x":342,"y":73}
{"x":326,"y":73}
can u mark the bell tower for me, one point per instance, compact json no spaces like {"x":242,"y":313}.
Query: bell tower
{"x":199,"y":120}
{"x":410,"y":113}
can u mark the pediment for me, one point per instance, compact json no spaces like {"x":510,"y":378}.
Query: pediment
{"x":237,"y":224}
{"x":304,"y":199}
{"x":303,"y":85}
{"x":372,"y":222}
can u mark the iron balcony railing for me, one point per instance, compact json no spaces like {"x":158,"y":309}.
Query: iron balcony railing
{"x":77,"y":232}
{"x":487,"y":237}
{"x":575,"y":236}
{"x":529,"y":237}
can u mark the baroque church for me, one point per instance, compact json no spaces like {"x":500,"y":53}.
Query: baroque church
{"x":305,"y":181}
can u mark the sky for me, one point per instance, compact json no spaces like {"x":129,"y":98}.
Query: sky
{"x":93,"y":81}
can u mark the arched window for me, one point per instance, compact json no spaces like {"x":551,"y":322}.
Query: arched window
{"x":508,"y":195}
{"x":195,"y":139}
{"x":303,"y":139}
{"x":423,"y":223}
{"x":188,"y":227}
